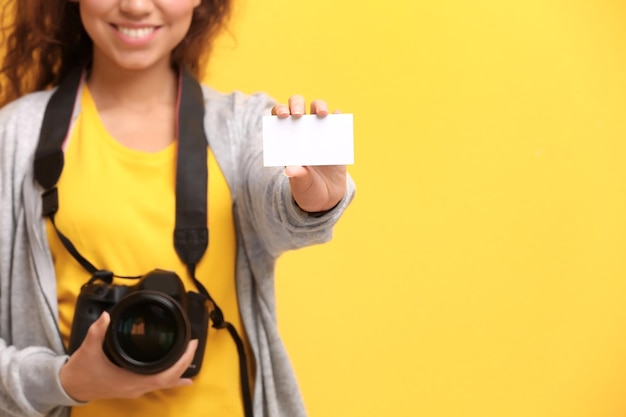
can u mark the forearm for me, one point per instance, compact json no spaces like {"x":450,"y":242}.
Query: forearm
{"x":29,"y":382}
{"x":271,"y":210}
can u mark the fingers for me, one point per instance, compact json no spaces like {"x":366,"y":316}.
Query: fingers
{"x":83,"y":373}
{"x":174,"y":372}
{"x":295,"y":171}
{"x":97,"y":331}
{"x":296,"y":107}
{"x":317,"y":188}
{"x":171,"y":377}
{"x":280,"y":110}
{"x":319,"y":107}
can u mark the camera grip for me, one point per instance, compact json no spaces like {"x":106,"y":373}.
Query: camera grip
{"x":85,"y":314}
{"x":198,"y":314}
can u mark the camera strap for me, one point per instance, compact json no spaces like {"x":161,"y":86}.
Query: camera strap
{"x":191,"y":234}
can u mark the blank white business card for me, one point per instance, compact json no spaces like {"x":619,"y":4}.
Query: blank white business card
{"x":308,"y":140}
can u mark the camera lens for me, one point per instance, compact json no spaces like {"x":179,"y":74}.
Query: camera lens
{"x":148,"y":333}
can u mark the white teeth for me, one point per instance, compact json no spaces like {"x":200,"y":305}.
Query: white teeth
{"x":135,"y":33}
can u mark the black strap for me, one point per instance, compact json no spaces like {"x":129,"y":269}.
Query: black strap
{"x":191,"y":234}
{"x":49,"y":158}
{"x":217,"y":318}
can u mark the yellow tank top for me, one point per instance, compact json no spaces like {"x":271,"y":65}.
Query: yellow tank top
{"x":117,"y":206}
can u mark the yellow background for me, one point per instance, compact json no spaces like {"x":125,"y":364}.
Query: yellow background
{"x":481,"y":271}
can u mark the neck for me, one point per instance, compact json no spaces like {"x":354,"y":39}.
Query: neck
{"x":138,"y":89}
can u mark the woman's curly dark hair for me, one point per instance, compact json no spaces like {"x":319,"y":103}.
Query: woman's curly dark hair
{"x":45,"y":39}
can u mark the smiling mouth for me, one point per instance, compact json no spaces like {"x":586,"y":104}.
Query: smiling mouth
{"x":136,"y":33}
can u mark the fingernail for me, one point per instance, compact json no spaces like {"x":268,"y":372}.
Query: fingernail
{"x":296,"y":111}
{"x":185,"y":382}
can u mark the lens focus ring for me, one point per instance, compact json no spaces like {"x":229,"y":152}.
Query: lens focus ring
{"x":149,"y":332}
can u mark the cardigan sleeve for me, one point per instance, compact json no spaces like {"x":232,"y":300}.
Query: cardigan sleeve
{"x":264,"y":194}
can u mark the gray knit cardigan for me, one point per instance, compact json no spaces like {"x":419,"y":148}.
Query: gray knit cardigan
{"x":268,"y":223}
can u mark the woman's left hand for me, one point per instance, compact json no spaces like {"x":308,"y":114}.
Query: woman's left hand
{"x":315,"y":188}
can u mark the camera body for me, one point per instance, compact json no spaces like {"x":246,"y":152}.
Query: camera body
{"x":151,"y":322}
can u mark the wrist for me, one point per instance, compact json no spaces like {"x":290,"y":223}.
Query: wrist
{"x":69,"y":384}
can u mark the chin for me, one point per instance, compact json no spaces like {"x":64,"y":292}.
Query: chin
{"x":137,"y":66}
{"x":132,"y":62}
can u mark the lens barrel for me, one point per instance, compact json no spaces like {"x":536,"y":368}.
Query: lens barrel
{"x":149,"y":332}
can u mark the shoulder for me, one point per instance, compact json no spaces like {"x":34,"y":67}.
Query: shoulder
{"x":23,"y":116}
{"x":236,"y":106}
{"x":233,"y":125}
{"x":32,"y":104}
{"x":235,"y":118}
{"x":20,"y":123}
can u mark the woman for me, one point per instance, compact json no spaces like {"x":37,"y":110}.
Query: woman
{"x":117,"y":206}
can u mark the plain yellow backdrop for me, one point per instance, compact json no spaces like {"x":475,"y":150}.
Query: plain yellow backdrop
{"x":481,"y":271}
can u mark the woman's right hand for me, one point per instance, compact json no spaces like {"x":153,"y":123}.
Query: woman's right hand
{"x":89,"y":375}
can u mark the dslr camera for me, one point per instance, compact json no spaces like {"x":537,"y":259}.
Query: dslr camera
{"x":151,"y":322}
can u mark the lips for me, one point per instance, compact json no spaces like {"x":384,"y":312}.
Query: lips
{"x":136,"y":33}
